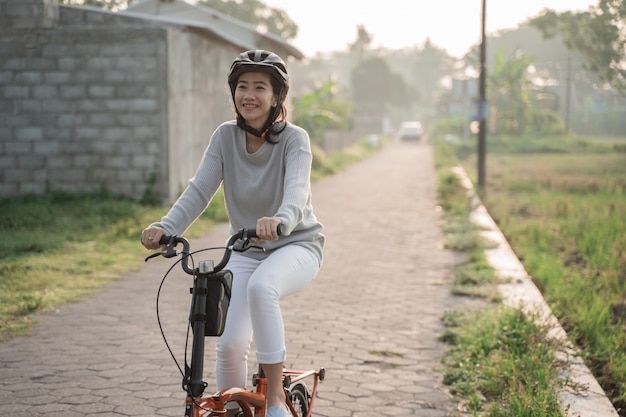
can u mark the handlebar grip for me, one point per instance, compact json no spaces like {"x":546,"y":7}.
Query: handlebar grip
{"x":172,"y":240}
{"x":248,"y":234}
{"x":251,"y":233}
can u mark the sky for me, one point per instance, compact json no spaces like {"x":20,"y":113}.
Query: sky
{"x":454,"y":25}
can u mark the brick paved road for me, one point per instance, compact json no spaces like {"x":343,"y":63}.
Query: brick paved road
{"x":371,"y":318}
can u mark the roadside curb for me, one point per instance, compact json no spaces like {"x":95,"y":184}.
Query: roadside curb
{"x":519,"y":291}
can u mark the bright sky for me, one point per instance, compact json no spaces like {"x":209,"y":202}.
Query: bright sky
{"x":454,"y":25}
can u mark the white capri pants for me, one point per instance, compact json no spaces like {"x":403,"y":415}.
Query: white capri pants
{"x":254,"y":309}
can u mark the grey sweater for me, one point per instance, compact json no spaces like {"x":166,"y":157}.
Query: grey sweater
{"x":272,"y":182}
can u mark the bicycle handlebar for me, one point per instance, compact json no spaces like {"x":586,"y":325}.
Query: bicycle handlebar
{"x":239,"y":242}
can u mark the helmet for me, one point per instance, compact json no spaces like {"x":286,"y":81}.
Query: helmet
{"x":264,"y":61}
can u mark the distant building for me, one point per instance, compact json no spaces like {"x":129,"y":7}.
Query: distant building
{"x":125,"y":101}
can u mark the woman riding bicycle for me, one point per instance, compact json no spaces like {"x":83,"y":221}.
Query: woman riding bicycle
{"x":264,"y":164}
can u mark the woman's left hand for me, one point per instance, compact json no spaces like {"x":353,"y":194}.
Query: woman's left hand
{"x":267,"y":228}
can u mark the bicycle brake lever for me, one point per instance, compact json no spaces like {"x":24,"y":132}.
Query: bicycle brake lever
{"x":154,"y":255}
{"x":170,"y":252}
{"x":244,"y":244}
{"x":240,"y":245}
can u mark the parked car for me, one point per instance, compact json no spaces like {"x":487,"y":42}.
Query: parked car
{"x":411,"y":131}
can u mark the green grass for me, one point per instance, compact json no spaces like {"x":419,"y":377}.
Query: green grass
{"x":473,"y":276}
{"x":59,"y":247}
{"x":561,"y":202}
{"x":328,"y":164}
{"x":502,"y":363}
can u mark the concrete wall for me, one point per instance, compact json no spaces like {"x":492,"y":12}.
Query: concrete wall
{"x":25,"y":14}
{"x":96,"y":100}
{"x":199,"y":100}
{"x":80,"y":109}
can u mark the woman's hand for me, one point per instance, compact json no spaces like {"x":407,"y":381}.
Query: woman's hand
{"x":267,"y":228}
{"x":150,"y":237}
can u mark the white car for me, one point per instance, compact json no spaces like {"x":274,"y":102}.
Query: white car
{"x":411,"y":131}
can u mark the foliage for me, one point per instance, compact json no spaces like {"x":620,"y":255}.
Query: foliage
{"x":362,"y":43}
{"x":509,"y":92}
{"x":598,"y":34}
{"x":552,"y":60}
{"x":75,"y":219}
{"x":611,"y":122}
{"x":324,"y":164}
{"x":320,"y":110}
{"x":561,"y":202}
{"x":258,"y":14}
{"x":472,"y":276}
{"x":375,"y":86}
{"x":503,"y":362}
{"x":150,"y":195}
{"x":61,"y":246}
{"x":409,"y":79}
{"x":429,"y":66}
{"x":451,"y":127}
{"x":514,"y":98}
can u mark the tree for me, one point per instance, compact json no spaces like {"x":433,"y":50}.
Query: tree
{"x":321,"y":110}
{"x":363,"y":41}
{"x":515,"y":93}
{"x":431,"y":65}
{"x":598,"y":34}
{"x":509,"y":92}
{"x":258,"y":14}
{"x":374,"y":83}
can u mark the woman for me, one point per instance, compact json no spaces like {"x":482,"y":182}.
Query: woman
{"x":264,"y":165}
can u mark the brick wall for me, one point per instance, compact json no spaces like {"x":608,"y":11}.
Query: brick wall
{"x":105,"y":101}
{"x":80,"y":109}
{"x":26,"y":14}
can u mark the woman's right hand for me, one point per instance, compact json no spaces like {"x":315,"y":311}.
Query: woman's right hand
{"x":267,"y":228}
{"x":150,"y":237}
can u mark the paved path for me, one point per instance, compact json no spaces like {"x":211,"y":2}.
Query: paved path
{"x":371,"y":318}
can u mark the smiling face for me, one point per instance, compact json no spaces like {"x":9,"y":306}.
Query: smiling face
{"x":254,"y":98}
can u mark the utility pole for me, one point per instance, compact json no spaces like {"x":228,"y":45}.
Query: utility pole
{"x":482,"y":104}
{"x":568,"y":92}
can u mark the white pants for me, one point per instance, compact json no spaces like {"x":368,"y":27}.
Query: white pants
{"x":255,"y":310}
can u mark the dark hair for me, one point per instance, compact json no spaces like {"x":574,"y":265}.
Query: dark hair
{"x":280,"y":120}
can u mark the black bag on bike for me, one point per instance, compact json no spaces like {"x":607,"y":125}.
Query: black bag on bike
{"x":219,"y":287}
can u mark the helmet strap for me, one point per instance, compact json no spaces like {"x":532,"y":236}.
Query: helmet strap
{"x":241,"y":122}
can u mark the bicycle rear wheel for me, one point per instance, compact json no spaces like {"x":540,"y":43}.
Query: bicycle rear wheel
{"x":300,"y":399}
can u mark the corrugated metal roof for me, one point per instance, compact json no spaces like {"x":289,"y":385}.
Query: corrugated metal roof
{"x":180,"y":12}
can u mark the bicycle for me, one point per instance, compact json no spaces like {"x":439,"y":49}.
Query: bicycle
{"x":299,"y":399}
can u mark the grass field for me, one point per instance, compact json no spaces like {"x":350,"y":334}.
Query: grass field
{"x":561,"y":202}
